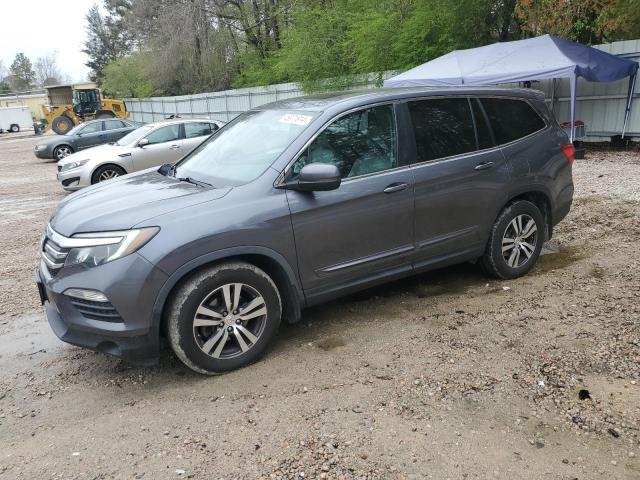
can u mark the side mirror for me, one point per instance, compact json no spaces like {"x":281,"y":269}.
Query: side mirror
{"x":143,"y":142}
{"x":316,"y":177}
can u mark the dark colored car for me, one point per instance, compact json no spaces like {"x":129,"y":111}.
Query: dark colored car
{"x":85,"y":135}
{"x":296,"y":203}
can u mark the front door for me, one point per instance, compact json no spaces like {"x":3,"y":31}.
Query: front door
{"x":363,"y":229}
{"x":165,"y":146}
{"x":90,"y":136}
{"x":459,"y":178}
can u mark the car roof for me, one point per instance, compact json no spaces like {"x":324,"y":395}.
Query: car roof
{"x":180,"y":120}
{"x":354,"y":98}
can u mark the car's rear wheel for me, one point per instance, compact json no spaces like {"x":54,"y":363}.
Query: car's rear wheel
{"x":14,"y":128}
{"x":62,"y":151}
{"x":107,"y":172}
{"x":515,"y":241}
{"x":223,"y":317}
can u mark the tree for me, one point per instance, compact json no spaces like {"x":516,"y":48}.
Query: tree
{"x":21,"y":74}
{"x":584,"y":21}
{"x":128,"y":77}
{"x":108,"y":37}
{"x":47,"y":71}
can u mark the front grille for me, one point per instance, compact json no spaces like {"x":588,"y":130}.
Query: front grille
{"x":102,"y":311}
{"x":53,"y":255}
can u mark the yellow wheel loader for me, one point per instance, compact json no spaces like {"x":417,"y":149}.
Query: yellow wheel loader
{"x":70,"y":105}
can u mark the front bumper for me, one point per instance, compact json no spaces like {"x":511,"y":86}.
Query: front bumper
{"x":46,"y":153}
{"x":74,"y":179}
{"x":131,"y":284}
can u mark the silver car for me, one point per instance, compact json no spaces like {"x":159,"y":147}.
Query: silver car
{"x":148,"y":146}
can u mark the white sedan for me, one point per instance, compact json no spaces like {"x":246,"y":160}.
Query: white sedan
{"x":148,"y":146}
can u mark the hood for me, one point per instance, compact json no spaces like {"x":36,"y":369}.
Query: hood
{"x":124,"y":202}
{"x":54,"y":140}
{"x":107,"y":151}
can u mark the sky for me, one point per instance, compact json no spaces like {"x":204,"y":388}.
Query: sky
{"x":37,"y":27}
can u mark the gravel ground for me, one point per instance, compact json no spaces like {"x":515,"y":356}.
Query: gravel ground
{"x":444,"y":375}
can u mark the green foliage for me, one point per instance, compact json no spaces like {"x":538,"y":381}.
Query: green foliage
{"x":128,"y":77}
{"x":21,"y":74}
{"x":107,"y":36}
{"x":203,"y":45}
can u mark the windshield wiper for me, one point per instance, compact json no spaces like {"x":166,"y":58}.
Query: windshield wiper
{"x":194,"y":181}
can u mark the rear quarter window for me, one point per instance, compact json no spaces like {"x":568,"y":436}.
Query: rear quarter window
{"x":511,"y":119}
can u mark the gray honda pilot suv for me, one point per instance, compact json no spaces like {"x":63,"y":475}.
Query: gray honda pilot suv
{"x":296,"y":203}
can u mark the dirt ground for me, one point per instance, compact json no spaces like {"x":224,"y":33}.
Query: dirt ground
{"x":446,"y":375}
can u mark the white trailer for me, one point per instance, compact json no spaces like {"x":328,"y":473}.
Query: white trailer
{"x":14,"y":119}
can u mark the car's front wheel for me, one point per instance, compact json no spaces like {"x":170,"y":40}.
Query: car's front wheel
{"x":515,"y":241}
{"x":223,"y":317}
{"x":107,"y":172}
{"x":62,"y":151}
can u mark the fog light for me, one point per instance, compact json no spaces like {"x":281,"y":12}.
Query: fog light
{"x":71,"y":182}
{"x":92,"y":295}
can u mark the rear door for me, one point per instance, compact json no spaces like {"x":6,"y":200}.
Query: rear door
{"x":459,"y":178}
{"x":90,"y":136}
{"x":194,"y":134}
{"x":364,"y":229}
{"x":165,"y":146}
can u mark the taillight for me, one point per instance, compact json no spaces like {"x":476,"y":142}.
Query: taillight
{"x":570,"y":152}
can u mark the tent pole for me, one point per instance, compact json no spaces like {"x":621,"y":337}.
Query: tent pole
{"x":573,"y":81}
{"x":627,"y":112}
{"x":553,"y":94}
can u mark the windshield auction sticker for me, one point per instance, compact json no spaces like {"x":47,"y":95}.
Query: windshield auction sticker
{"x":295,"y":119}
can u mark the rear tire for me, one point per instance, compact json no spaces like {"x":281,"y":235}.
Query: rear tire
{"x":206,"y":325}
{"x":107,"y":172}
{"x":14,"y":128}
{"x":61,"y":124}
{"x":515,"y":241}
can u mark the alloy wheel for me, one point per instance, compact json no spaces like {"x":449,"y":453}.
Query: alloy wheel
{"x":62,"y":152}
{"x":230,"y":321}
{"x":519,"y":241}
{"x":107,"y":175}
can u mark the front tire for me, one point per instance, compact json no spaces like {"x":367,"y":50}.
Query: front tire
{"x":223,"y":317}
{"x":61,"y":124}
{"x":515,"y":241}
{"x":107,"y":172}
{"x":62,"y":151}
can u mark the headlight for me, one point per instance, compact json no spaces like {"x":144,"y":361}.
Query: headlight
{"x":72,"y":165}
{"x":93,"y":249}
{"x":40,"y":147}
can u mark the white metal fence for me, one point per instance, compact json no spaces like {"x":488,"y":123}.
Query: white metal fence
{"x":600,"y":105}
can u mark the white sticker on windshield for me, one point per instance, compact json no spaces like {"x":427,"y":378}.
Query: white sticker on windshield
{"x":296,"y":119}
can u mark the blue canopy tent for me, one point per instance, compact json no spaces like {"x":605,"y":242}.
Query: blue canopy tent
{"x":538,"y":58}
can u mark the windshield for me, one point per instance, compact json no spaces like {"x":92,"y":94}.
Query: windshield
{"x":243,"y":149}
{"x":134,"y":136}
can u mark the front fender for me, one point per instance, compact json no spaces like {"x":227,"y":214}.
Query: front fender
{"x":222,"y":254}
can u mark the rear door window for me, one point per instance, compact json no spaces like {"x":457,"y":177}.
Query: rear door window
{"x":511,"y":119}
{"x":485,"y":140}
{"x":443,"y":127}
{"x":196,"y":129}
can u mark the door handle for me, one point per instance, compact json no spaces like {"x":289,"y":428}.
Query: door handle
{"x":173,"y":147}
{"x":484,"y":166}
{"x":395,"y":187}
